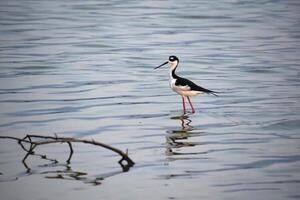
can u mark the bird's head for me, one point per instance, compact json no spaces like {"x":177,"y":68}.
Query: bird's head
{"x":173,"y":61}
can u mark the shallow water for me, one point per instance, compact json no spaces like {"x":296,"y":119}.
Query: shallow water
{"x":85,"y":69}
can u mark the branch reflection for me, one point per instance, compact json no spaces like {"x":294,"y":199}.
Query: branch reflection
{"x":69,"y":174}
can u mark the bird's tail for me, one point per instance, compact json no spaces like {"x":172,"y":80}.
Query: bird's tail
{"x":214,"y":93}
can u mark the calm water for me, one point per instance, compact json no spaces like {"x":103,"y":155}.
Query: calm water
{"x":85,"y":69}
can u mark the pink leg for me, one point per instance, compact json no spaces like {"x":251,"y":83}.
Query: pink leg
{"x":183,"y":103}
{"x":193,"y":109}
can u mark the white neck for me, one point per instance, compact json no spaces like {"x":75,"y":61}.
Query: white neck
{"x":173,"y":65}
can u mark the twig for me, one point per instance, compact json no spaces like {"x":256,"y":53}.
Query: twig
{"x":71,"y":152}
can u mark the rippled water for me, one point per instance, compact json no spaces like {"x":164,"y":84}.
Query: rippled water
{"x":85,"y":69}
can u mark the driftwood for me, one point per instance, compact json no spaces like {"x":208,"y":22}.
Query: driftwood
{"x":34,"y":141}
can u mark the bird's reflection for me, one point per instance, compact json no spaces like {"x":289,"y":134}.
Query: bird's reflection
{"x":179,"y":138}
{"x":185,"y":122}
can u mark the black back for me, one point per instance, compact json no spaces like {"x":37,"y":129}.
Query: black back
{"x":185,"y":82}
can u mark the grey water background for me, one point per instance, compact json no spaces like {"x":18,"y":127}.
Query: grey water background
{"x":85,"y":69}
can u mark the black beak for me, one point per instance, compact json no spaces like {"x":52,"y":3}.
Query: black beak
{"x":162,"y":65}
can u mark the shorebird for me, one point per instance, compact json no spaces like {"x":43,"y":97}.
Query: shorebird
{"x":182,"y":86}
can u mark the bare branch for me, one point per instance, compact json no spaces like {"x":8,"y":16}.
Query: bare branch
{"x":71,"y":152}
{"x":37,"y":140}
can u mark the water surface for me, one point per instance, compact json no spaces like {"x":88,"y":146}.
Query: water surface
{"x":85,"y":69}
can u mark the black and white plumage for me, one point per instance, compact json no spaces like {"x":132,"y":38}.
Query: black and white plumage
{"x":182,"y":86}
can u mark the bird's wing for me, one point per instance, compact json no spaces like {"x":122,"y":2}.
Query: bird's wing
{"x":182,"y":82}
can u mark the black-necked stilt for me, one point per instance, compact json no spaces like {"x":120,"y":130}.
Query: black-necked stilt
{"x":182,"y":86}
